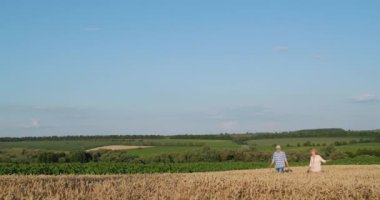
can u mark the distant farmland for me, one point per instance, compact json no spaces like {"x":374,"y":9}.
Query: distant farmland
{"x":181,"y":153}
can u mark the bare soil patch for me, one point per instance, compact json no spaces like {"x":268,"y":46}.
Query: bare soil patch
{"x":118,"y":147}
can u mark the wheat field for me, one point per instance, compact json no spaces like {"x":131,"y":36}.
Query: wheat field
{"x":337,"y":182}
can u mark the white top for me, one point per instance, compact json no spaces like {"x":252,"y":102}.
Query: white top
{"x":315,"y":163}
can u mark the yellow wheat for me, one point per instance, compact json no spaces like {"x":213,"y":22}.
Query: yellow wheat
{"x":338,"y":182}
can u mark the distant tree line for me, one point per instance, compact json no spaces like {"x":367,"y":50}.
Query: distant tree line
{"x":80,"y":137}
{"x":237,"y":137}
{"x":221,"y":136}
{"x":316,"y":133}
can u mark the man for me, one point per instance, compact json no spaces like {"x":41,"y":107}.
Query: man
{"x":279,"y":159}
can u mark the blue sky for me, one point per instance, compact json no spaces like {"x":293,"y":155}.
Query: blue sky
{"x":173,"y":67}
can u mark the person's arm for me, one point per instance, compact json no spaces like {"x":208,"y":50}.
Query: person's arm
{"x":322,"y":160}
{"x":308,"y":170}
{"x":272,"y":161}
{"x":286,"y":160}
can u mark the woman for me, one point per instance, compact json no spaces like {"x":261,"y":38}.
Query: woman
{"x":315,"y":161}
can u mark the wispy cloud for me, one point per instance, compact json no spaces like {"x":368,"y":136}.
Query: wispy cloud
{"x":229,"y":125}
{"x":366,"y":98}
{"x":238,"y":113}
{"x":318,"y":56}
{"x":91,"y":29}
{"x":280,"y":49}
{"x":54,"y":109}
{"x":33,"y":123}
{"x":39,"y":108}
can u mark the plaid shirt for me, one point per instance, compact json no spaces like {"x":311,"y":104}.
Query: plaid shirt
{"x":279,"y":159}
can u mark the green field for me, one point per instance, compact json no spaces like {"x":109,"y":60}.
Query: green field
{"x":57,"y":145}
{"x":163,"y":145}
{"x":125,"y":168}
{"x":181,"y":144}
{"x":167,"y":146}
{"x":72,"y":145}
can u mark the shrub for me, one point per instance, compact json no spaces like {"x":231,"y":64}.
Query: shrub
{"x":369,"y":152}
{"x":307,"y":143}
{"x":338,"y":155}
{"x":328,"y":150}
{"x":350,"y":154}
{"x":50,"y":157}
{"x":80,"y":156}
